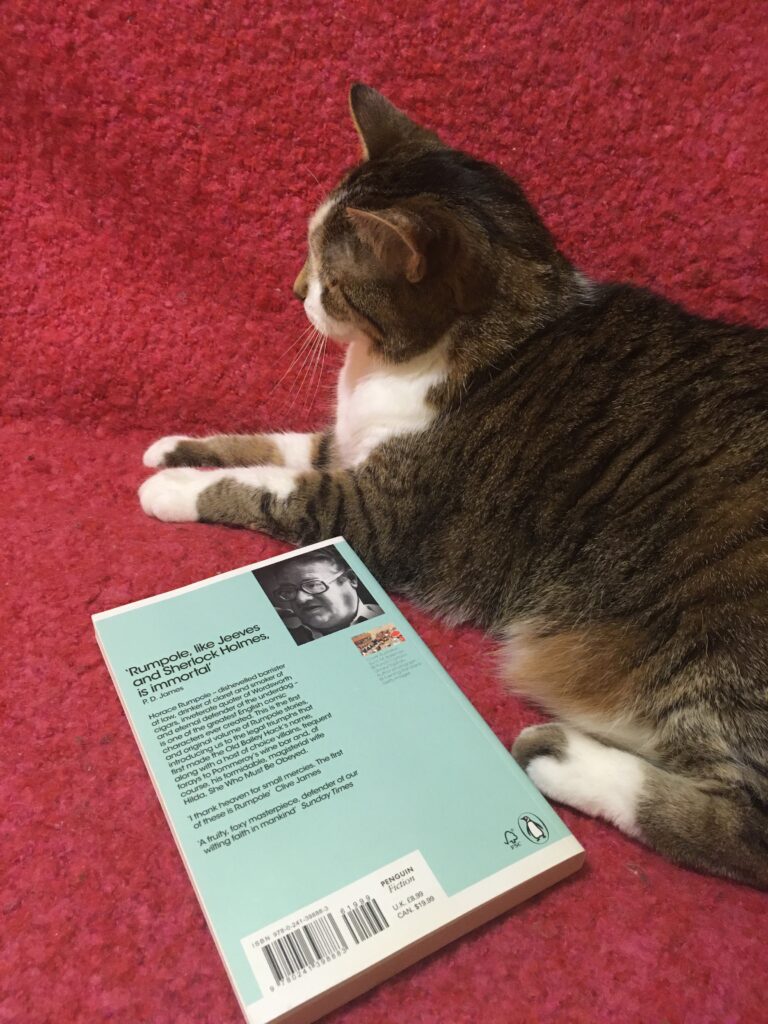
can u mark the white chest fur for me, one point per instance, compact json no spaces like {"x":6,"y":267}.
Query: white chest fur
{"x":376,"y":401}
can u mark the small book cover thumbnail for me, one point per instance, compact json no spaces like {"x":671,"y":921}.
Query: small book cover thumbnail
{"x":341,"y":808}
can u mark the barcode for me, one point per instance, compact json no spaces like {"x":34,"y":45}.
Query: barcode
{"x":364,"y":920}
{"x":310,"y":945}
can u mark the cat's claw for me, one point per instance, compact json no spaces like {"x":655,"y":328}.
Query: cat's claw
{"x":154,"y":456}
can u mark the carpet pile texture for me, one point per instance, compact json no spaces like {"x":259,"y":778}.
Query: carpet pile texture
{"x":157,"y":166}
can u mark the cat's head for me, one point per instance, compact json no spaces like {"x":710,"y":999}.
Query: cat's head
{"x":418,"y":237}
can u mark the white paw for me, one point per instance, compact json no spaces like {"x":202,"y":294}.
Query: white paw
{"x":154,"y":456}
{"x":296,"y":449}
{"x":598,"y":780}
{"x":171,"y":494}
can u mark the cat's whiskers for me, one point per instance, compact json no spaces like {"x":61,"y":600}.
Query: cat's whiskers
{"x":298,"y":370}
{"x":312,"y":175}
{"x":306,"y":338}
{"x":303,"y":373}
{"x":308,"y":368}
{"x":320,"y":363}
{"x":304,"y":333}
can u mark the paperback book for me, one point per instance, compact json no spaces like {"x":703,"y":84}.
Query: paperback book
{"x":341,"y":808}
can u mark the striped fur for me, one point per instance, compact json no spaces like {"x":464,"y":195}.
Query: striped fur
{"x":587,"y":479}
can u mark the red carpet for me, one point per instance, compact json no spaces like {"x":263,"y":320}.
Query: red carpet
{"x":159,"y":161}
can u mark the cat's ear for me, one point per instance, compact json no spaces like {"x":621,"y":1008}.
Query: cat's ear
{"x":381,"y":126}
{"x":419,"y":235}
{"x":396,"y":237}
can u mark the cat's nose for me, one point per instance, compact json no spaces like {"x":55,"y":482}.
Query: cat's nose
{"x":301,"y":284}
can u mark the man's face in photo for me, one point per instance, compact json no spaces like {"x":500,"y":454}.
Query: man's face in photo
{"x":326,"y":612}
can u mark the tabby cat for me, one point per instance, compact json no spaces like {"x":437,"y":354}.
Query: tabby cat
{"x":580,"y":468}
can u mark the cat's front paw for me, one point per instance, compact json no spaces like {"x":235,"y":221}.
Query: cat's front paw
{"x":549,"y":740}
{"x":171,"y":495}
{"x":156,"y":455}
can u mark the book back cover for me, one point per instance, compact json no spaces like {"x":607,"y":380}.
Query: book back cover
{"x":340,"y":806}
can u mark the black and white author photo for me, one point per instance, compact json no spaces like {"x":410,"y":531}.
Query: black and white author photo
{"x":316,"y":594}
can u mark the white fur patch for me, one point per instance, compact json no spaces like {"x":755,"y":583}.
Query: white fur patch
{"x":280,"y":481}
{"x":327,"y":325}
{"x":377,"y":400}
{"x":587,"y":286}
{"x":171,"y":495}
{"x":320,"y":214}
{"x":313,"y":306}
{"x":154,"y":456}
{"x":296,"y":449}
{"x":598,"y":780}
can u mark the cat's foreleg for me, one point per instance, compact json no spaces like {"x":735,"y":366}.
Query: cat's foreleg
{"x":296,"y":451}
{"x":298,"y":506}
{"x":699,"y":821}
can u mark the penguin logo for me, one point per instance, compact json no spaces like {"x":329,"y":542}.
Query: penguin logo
{"x":533,"y":828}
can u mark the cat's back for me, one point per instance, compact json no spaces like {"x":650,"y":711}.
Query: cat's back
{"x":626,"y":369}
{"x":629,"y":434}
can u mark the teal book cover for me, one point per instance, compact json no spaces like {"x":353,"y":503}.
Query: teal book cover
{"x":341,"y":808}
